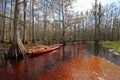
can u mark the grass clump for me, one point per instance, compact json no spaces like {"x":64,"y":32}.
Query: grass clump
{"x":112,"y":45}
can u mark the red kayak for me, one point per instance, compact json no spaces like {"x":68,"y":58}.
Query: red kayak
{"x":43,"y":51}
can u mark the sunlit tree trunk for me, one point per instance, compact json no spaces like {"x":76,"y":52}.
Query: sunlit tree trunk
{"x":54,"y":26}
{"x":45,"y":22}
{"x":29,"y":33}
{"x":24,"y":32}
{"x":33,"y":27}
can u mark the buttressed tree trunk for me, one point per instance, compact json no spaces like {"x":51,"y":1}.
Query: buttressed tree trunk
{"x":17,"y":48}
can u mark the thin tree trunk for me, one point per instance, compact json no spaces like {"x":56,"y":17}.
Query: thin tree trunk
{"x":45,"y":23}
{"x":59,"y":21}
{"x":10,"y":33}
{"x":3,"y":30}
{"x":96,"y":24}
{"x":33,"y":27}
{"x":118,"y":31}
{"x":1,"y":25}
{"x":24,"y":32}
{"x":83,"y":32}
{"x":54,"y":29}
{"x":30,"y":20}
{"x":99,"y":23}
{"x":63,"y":25}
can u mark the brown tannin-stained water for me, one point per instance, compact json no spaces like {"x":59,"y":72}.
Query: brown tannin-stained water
{"x":71,"y":62}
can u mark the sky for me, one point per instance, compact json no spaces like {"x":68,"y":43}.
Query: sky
{"x":83,"y":5}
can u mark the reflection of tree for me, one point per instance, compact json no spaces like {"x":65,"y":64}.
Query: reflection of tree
{"x":74,"y":51}
{"x":63,"y":52}
{"x":96,"y":48}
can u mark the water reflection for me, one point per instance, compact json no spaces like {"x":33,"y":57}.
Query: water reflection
{"x":96,"y":49}
{"x":63,"y":52}
{"x":32,"y":67}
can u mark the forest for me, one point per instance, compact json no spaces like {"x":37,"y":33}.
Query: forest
{"x":50,"y":40}
{"x":53,"y":22}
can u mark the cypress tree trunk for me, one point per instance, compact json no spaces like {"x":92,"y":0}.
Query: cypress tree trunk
{"x":45,"y":23}
{"x":17,"y":48}
{"x":10,"y":33}
{"x":3,"y":30}
{"x":63,"y":25}
{"x":33,"y":27}
{"x":24,"y":32}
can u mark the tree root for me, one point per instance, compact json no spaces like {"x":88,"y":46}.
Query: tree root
{"x":17,"y":50}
